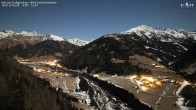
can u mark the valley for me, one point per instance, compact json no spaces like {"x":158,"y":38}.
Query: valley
{"x":159,"y":90}
{"x":69,"y":82}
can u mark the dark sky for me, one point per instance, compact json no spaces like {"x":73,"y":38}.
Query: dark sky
{"x":90,"y":19}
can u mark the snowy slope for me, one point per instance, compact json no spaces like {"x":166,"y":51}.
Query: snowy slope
{"x":172,"y":34}
{"x":5,"y":33}
{"x":9,"y":33}
{"x":53,"y":37}
{"x":74,"y":41}
{"x":77,"y":41}
{"x":161,"y":45}
{"x":25,"y":33}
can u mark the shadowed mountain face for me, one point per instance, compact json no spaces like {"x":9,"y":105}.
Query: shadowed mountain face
{"x":21,"y":90}
{"x":31,"y":46}
{"x":16,"y":43}
{"x":186,"y":64}
{"x":98,"y":54}
{"x":48,"y":48}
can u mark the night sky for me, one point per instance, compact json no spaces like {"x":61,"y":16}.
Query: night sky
{"x":90,"y":19}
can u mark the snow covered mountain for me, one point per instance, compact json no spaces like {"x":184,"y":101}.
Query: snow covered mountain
{"x":161,"y":45}
{"x":77,"y":41}
{"x":53,"y":37}
{"x":48,"y":48}
{"x":74,"y":41}
{"x":5,"y":33}
{"x":175,"y":36}
{"x":34,"y":45}
{"x":171,"y":35}
{"x":25,"y":33}
{"x":9,"y":33}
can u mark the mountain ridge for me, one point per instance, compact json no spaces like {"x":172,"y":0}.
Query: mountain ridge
{"x":148,"y":31}
{"x":9,"y":33}
{"x":98,"y":54}
{"x":48,"y":48}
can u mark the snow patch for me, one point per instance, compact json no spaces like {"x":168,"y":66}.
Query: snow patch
{"x":77,"y":82}
{"x":147,"y":47}
{"x":114,"y":36}
{"x":5,"y":33}
{"x":181,"y":46}
{"x":77,"y":41}
{"x":86,"y":96}
{"x":25,"y":33}
{"x":194,"y":37}
{"x":180,"y":100}
{"x":54,"y":37}
{"x":158,"y":59}
{"x":173,"y":34}
{"x":108,"y":106}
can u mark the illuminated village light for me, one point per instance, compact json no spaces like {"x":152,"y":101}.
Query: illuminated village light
{"x":150,"y":82}
{"x":58,"y":65}
{"x":143,"y":77}
{"x":157,"y":66}
{"x":186,"y":83}
{"x":38,"y":70}
{"x":95,"y":75}
{"x":52,"y":63}
{"x":158,"y":83}
{"x":132,"y":77}
{"x":150,"y":79}
{"x":139,"y":82}
{"x":162,"y":66}
{"x":144,"y":88}
{"x":146,"y":82}
{"x":151,"y":85}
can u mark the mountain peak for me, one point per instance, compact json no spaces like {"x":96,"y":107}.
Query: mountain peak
{"x":150,"y":32}
{"x":142,"y":30}
{"x":54,"y":37}
{"x":25,"y":33}
{"x":5,"y":33}
{"x":77,"y":41}
{"x":139,"y":28}
{"x":143,"y":27}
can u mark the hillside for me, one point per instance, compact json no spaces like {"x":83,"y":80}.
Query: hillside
{"x":101,"y":54}
{"x":48,"y":48}
{"x":21,"y":90}
{"x":186,"y":64}
{"x":32,"y":45}
{"x":14,"y":44}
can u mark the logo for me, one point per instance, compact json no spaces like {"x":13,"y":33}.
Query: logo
{"x":187,"y":5}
